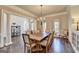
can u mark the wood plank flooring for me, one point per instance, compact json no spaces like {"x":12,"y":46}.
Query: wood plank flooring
{"x":58,"y":46}
{"x":61,"y":46}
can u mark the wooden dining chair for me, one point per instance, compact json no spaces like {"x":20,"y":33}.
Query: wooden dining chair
{"x":27,"y":43}
{"x":47,"y":43}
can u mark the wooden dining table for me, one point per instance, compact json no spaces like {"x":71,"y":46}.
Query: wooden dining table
{"x":38,"y":37}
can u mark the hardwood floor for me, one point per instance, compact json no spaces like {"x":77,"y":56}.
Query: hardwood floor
{"x":58,"y":46}
{"x":61,"y":46}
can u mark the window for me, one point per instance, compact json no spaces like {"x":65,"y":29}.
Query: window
{"x":44,"y":26}
{"x":26,"y":25}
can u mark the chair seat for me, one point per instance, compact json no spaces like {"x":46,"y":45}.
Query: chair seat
{"x":32,"y":45}
{"x":43,"y":43}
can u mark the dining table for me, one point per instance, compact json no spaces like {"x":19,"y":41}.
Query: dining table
{"x":38,"y":37}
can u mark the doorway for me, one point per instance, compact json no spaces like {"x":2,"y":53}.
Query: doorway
{"x":56,"y":29}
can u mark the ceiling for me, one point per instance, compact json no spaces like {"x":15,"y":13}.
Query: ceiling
{"x":46,"y":9}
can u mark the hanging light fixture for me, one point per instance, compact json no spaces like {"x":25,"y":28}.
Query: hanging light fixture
{"x":42,"y":18}
{"x":41,"y":12}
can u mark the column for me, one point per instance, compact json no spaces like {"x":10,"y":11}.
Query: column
{"x":8,"y":40}
{"x":2,"y":30}
{"x":69,"y":24}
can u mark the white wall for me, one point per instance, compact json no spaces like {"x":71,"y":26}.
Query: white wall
{"x":21,"y":21}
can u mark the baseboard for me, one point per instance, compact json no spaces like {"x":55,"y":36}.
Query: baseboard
{"x":1,"y":45}
{"x":6,"y":44}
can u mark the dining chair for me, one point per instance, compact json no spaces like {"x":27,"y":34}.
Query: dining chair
{"x":47,"y":43}
{"x":27,"y":43}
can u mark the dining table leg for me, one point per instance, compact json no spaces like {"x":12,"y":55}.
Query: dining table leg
{"x":38,"y":47}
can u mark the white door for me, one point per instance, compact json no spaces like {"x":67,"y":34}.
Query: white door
{"x":56,"y":28}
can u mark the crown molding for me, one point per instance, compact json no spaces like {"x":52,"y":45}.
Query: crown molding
{"x":56,"y":14}
{"x":17,"y":9}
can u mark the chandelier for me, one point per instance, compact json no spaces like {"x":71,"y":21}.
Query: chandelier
{"x":42,"y":18}
{"x":41,"y":12}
